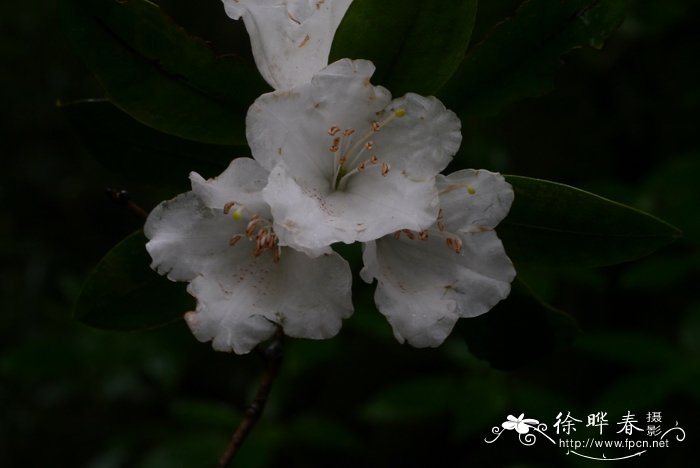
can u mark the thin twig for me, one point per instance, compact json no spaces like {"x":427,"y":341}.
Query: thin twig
{"x":273,"y":357}
{"x":122,"y":197}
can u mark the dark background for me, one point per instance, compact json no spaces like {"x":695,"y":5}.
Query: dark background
{"x":621,"y":122}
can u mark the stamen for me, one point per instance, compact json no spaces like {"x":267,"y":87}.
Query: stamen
{"x":228,"y":206}
{"x":454,"y":244}
{"x":251,"y":226}
{"x":336,"y":145}
{"x":234,"y":240}
{"x":349,"y":131}
{"x":374,"y":159}
{"x":423,"y":235}
{"x":376,"y":126}
{"x":409,"y":234}
{"x":369,"y":145}
{"x":361,"y":167}
{"x":262,"y":237}
{"x":333,"y":130}
{"x":385,"y":169}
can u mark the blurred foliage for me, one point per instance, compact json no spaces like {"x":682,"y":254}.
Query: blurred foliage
{"x":619,"y":122}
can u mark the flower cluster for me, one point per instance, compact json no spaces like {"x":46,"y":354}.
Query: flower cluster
{"x":334,"y":159}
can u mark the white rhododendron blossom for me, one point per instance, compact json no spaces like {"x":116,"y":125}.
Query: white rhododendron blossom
{"x":347,"y":163}
{"x":219,"y":237}
{"x":291,"y":39}
{"x":458,"y":268}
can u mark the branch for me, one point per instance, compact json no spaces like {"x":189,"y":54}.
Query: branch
{"x":273,"y":357}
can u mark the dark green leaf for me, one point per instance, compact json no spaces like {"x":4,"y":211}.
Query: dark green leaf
{"x":157,"y":73}
{"x":416,"y":45}
{"x":629,"y":349}
{"x":123,"y":293}
{"x":412,"y":400}
{"x":518,"y":330}
{"x":517,"y":58}
{"x":552,"y":224}
{"x":142,"y":154}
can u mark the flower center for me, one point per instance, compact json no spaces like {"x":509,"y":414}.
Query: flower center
{"x":353,"y":156}
{"x":258,"y":229}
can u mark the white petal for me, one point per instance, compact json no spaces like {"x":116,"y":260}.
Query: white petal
{"x":370,"y":207}
{"x":291,"y":39}
{"x":423,"y":141}
{"x":187,"y":237}
{"x":424,"y":286}
{"x":238,"y":305}
{"x":241,"y":182}
{"x":410,"y":294}
{"x":474,"y":200}
{"x":292,"y":125}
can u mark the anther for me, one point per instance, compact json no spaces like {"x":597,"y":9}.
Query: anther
{"x":374,"y":159}
{"x":423,"y":235}
{"x":397,"y":235}
{"x":262,"y":237}
{"x":234,"y":240}
{"x":454,"y":244}
{"x":336,"y":145}
{"x":349,"y":131}
{"x":342,"y":160}
{"x":333,"y":130}
{"x":376,"y":126}
{"x":409,"y":234}
{"x":228,"y":206}
{"x":361,"y":167}
{"x":471,"y":190}
{"x":385,"y":169}
{"x":251,"y":226}
{"x":369,"y":145}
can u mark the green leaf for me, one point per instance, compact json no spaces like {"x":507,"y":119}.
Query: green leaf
{"x":123,"y":293}
{"x":518,"y":330}
{"x":140,"y":153}
{"x":629,"y":348}
{"x":416,"y":399}
{"x":552,"y":224}
{"x":416,"y":45}
{"x":518,"y":57}
{"x":157,"y":73}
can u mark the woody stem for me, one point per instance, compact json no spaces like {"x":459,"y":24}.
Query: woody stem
{"x":273,"y":358}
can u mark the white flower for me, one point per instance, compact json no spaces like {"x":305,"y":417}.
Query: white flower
{"x":291,"y":39}
{"x":347,"y":163}
{"x":457,"y":268}
{"x":219,"y":237}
